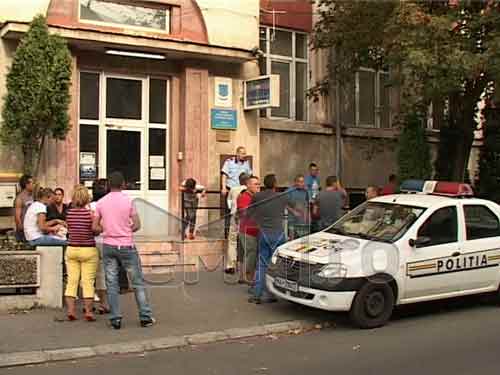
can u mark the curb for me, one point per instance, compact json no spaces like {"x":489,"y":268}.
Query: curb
{"x":163,"y":343}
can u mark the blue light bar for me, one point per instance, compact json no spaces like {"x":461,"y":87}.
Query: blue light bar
{"x":412,"y":186}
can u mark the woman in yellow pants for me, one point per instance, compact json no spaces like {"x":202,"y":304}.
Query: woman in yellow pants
{"x":82,"y":257}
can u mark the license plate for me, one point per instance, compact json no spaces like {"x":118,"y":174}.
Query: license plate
{"x":286,"y":284}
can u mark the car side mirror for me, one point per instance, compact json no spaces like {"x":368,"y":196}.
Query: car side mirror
{"x":419,"y":242}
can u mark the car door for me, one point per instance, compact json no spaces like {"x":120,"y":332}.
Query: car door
{"x":481,"y":249}
{"x":427,"y":275}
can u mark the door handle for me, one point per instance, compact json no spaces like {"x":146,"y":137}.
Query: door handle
{"x":455,"y":254}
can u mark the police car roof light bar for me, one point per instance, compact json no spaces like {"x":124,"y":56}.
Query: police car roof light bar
{"x":412,"y":186}
{"x":453,"y":189}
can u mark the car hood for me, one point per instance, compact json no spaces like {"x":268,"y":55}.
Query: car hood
{"x":323,"y":248}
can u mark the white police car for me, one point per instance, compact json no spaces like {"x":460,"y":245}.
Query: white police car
{"x":394,"y":250}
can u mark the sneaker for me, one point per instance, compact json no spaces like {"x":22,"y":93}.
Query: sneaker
{"x":116,"y":323}
{"x":254,"y":299}
{"x":148,"y":322}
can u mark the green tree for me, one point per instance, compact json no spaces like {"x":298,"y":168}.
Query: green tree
{"x":440,"y":52}
{"x":489,"y":161}
{"x":37,"y":100}
{"x":413,"y":150}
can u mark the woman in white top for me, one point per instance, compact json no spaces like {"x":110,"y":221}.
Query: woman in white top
{"x":37,"y":230}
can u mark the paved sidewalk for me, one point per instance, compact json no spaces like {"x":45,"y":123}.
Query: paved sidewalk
{"x":181,"y":309}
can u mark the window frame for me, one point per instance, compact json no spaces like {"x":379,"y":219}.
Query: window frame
{"x":378,"y":101}
{"x":292,"y":61}
{"x":457,"y":219}
{"x":490,"y":211}
{"x":168,"y":16}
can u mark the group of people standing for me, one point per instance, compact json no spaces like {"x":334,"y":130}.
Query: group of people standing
{"x":257,"y":218}
{"x":97,"y":234}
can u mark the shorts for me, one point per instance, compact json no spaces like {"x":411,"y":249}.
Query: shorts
{"x":247,"y":251}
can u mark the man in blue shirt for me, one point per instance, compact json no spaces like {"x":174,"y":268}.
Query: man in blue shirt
{"x":233,"y":168}
{"x":231,"y":171}
{"x":298,"y":209}
{"x":312,"y":181}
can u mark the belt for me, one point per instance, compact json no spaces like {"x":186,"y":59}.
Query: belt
{"x":132,"y":247}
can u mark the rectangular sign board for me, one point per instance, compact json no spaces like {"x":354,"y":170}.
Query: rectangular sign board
{"x":261,"y":92}
{"x":226,"y":119}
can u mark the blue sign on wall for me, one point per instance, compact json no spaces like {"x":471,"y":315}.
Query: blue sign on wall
{"x":224,"y":119}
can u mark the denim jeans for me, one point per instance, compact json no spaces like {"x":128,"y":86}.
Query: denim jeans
{"x":128,"y":257}
{"x":47,"y":240}
{"x":268,"y":242}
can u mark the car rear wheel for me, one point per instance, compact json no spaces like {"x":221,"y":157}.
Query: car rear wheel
{"x":372,"y":306}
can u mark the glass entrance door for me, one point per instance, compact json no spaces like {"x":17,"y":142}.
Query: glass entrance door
{"x":124,"y":155}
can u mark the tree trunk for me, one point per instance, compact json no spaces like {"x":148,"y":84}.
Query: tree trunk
{"x":28,"y":156}
{"x":461,"y":118}
{"x":38,"y":157}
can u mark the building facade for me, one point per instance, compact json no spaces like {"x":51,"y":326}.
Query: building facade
{"x":143,"y":90}
{"x":146,"y":95}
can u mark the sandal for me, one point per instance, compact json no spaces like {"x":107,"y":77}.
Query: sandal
{"x":102,"y":310}
{"x":89,"y":317}
{"x":72,"y":317}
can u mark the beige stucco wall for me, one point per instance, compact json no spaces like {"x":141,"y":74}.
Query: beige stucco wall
{"x":287,"y":154}
{"x":22,"y":11}
{"x":231,"y":23}
{"x":247,"y":133}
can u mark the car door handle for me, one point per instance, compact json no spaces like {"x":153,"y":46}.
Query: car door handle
{"x":455,"y":254}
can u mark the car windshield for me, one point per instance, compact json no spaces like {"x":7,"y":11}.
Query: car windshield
{"x":377,"y":221}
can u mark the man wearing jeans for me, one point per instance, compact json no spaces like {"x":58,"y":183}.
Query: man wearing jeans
{"x":117,"y":219}
{"x":268,"y":210}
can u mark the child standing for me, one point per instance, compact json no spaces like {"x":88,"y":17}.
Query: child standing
{"x":192,"y":192}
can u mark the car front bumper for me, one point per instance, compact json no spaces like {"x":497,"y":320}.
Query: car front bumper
{"x":320,"y":299}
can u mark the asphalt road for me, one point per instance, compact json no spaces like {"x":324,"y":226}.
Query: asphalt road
{"x":459,"y":337}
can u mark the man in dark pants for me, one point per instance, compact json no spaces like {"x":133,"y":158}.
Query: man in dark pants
{"x":117,"y":219}
{"x":268,"y":210}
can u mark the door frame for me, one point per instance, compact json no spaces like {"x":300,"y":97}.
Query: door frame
{"x":104,"y":123}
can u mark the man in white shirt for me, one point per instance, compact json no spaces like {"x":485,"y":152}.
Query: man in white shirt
{"x":39,"y":231}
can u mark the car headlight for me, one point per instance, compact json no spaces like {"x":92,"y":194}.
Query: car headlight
{"x":274,"y":258}
{"x":333,"y":270}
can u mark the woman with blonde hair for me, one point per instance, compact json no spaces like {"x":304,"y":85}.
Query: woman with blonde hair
{"x":82,"y":257}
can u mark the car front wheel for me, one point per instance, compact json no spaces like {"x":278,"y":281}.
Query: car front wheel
{"x":372,"y":306}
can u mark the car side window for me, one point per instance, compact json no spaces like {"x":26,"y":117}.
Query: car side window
{"x":480,"y":222}
{"x":441,"y":227}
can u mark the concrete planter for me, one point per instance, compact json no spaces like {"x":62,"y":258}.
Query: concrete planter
{"x":19,"y":269}
{"x":41,"y":269}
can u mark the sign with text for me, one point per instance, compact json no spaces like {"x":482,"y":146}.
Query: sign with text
{"x":226,"y":119}
{"x":261,"y":92}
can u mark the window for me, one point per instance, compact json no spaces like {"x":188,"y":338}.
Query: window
{"x":286,"y":55}
{"x":118,"y":13}
{"x":89,"y":96}
{"x":157,"y":101}
{"x":123,"y":98}
{"x":365,"y":100}
{"x":157,"y":159}
{"x":378,"y":221}
{"x":441,"y":227}
{"x":480,"y":222}
{"x":89,"y":152}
